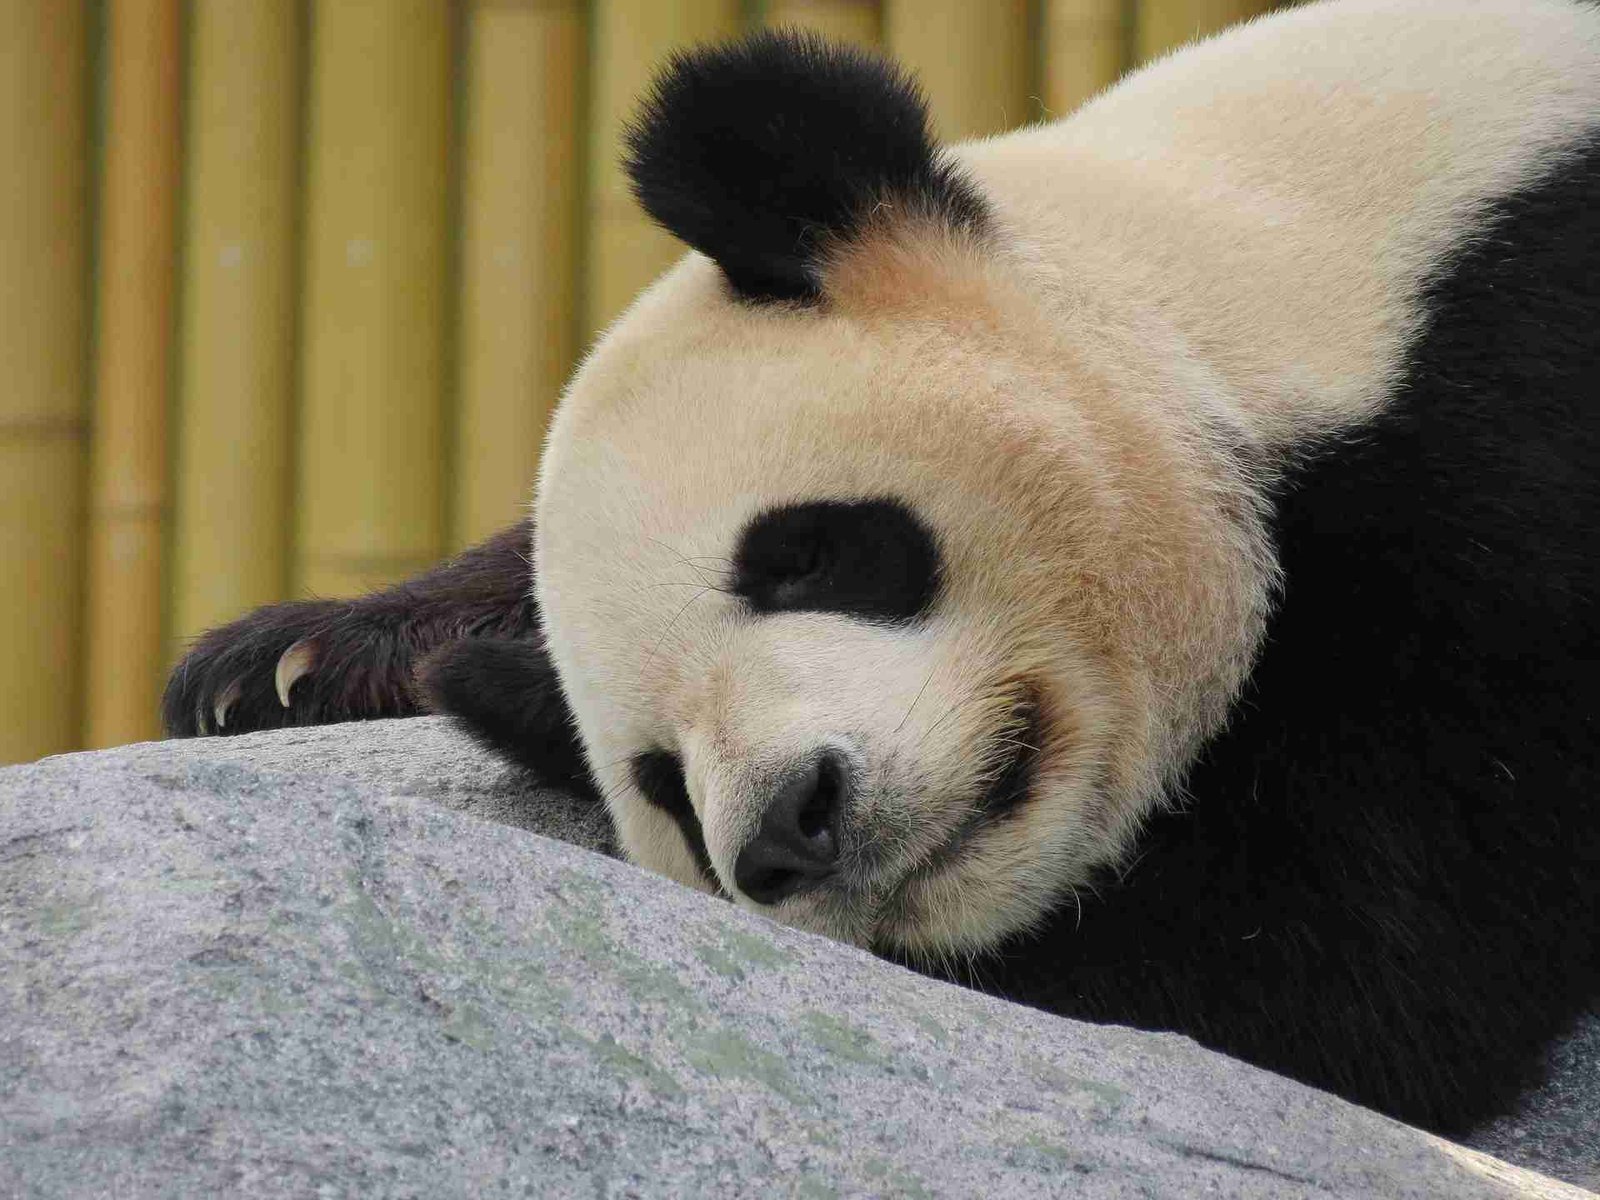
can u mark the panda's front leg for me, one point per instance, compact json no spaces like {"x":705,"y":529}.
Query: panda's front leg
{"x":314,"y":662}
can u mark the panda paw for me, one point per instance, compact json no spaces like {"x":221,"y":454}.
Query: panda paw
{"x":311,"y":662}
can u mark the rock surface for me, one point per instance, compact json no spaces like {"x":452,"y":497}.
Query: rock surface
{"x":319,"y":962}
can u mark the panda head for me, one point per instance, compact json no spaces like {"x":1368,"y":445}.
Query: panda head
{"x":880,"y":601}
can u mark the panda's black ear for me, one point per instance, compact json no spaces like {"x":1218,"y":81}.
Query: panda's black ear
{"x":761,"y":152}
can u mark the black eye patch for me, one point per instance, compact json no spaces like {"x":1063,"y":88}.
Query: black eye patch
{"x":659,"y":776}
{"x":872,"y":559}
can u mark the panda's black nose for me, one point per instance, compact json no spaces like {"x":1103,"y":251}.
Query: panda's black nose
{"x":798,"y":842}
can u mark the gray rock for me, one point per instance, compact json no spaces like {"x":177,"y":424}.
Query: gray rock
{"x":1556,"y":1129}
{"x":282,"y":965}
{"x":425,"y":758}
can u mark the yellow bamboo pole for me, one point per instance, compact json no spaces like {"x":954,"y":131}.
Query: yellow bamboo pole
{"x":856,"y":21}
{"x":1163,"y":25}
{"x":1085,"y":49}
{"x":132,"y":371}
{"x":519,"y":255}
{"x":974,"y":61}
{"x":43,"y":321}
{"x":236,"y":379}
{"x":370,"y":495}
{"x":625,"y":250}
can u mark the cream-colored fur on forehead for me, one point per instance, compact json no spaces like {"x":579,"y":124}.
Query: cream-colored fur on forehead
{"x":1021,"y":443}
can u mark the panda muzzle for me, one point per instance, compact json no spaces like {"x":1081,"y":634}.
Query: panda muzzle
{"x":796,"y":846}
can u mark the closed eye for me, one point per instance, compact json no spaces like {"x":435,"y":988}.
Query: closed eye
{"x":873,"y":559}
{"x":659,"y":777}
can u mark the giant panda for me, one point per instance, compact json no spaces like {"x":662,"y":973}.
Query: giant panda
{"x":1144,"y":566}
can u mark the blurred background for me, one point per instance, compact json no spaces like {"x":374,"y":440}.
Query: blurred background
{"x":288,"y":288}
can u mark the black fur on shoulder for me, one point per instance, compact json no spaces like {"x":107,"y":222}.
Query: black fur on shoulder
{"x":1386,"y":881}
{"x":507,"y":696}
{"x":761,"y":151}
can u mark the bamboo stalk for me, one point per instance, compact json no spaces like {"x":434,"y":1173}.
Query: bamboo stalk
{"x":520,"y":248}
{"x":856,"y":21}
{"x":1085,"y":50}
{"x":133,"y":372}
{"x":236,"y":380}
{"x":1163,"y":25}
{"x":974,"y":61}
{"x":370,"y":501}
{"x":625,"y":250}
{"x":44,"y":53}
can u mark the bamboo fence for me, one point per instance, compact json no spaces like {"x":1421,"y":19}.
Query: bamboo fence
{"x":44,"y":324}
{"x":134,"y":325}
{"x":525,"y":83}
{"x":858,"y":22}
{"x":291,"y":286}
{"x":370,"y":502}
{"x":236,"y":392}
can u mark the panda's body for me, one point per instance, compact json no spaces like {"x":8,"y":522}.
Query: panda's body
{"x":1143,"y":565}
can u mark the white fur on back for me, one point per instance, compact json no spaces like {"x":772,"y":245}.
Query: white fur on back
{"x":1278,"y":193}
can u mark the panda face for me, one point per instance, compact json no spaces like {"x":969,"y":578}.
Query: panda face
{"x":849,"y":611}
{"x":890,"y":580}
